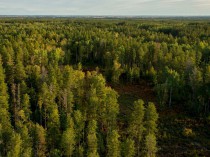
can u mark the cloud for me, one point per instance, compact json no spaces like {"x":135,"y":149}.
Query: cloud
{"x":105,"y":7}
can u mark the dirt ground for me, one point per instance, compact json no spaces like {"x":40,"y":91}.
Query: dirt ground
{"x":179,"y":135}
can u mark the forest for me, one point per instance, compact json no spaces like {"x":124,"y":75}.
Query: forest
{"x":104,"y":87}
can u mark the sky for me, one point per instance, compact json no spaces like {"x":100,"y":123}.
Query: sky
{"x":106,"y":7}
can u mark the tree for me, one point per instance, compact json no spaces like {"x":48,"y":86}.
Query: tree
{"x":151,"y":117}
{"x":26,"y":150}
{"x":68,"y":138}
{"x":128,"y":148}
{"x":111,"y":108}
{"x":93,"y":102}
{"x":136,"y":123}
{"x":162,"y":93}
{"x":172,"y":82}
{"x":113,"y":144}
{"x":92,"y":139}
{"x":79,"y":126}
{"x":6,"y":129}
{"x":68,"y":142}
{"x":116,"y":71}
{"x":151,"y":147}
{"x":195,"y":83}
{"x":39,"y":141}
{"x":26,"y":106}
{"x":15,"y":145}
{"x":49,"y":109}
{"x":19,"y":71}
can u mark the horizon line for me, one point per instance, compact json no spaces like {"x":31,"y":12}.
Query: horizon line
{"x":140,"y":16}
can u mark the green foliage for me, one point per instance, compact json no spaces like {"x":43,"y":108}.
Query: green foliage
{"x":113,"y":144}
{"x":79,"y":126}
{"x":5,"y":124}
{"x":15,"y":146}
{"x":92,"y":139}
{"x":136,"y":124}
{"x":4,"y":106}
{"x":151,"y":117}
{"x":68,"y":141}
{"x":116,"y":71}
{"x":39,"y":141}
{"x":51,"y":105}
{"x":128,"y":148}
{"x":151,"y":147}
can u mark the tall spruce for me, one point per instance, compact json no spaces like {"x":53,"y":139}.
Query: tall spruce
{"x":92,"y":141}
{"x":136,"y":124}
{"x":5,"y":124}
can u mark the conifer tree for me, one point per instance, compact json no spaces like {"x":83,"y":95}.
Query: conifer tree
{"x":15,"y":145}
{"x":113,"y":144}
{"x":128,"y":148}
{"x":79,"y":126}
{"x":92,"y":139}
{"x":116,"y":71}
{"x":5,"y":124}
{"x":172,"y":81}
{"x":151,"y":130}
{"x":39,"y":141}
{"x":136,"y":124}
{"x":49,"y":110}
{"x":111,"y":108}
{"x":23,"y":123}
{"x":151,"y":116}
{"x":150,"y":144}
{"x":68,"y":138}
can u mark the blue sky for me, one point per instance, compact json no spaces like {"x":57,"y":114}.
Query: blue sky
{"x":104,"y":7}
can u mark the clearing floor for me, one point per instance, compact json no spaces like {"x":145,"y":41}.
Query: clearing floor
{"x":179,"y":135}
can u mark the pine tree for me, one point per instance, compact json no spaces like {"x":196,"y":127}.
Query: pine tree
{"x":92,"y":139}
{"x":23,"y":124}
{"x":150,"y":144}
{"x":49,"y":110}
{"x":113,"y":144}
{"x":68,"y":138}
{"x":151,"y":130}
{"x":68,"y":142}
{"x":26,"y":150}
{"x":151,"y":116}
{"x":172,"y":81}
{"x":15,"y":145}
{"x":39,"y":141}
{"x":19,"y":72}
{"x":93,"y":103}
{"x":111,"y":108}
{"x":116,"y":71}
{"x":6,"y":129}
{"x":26,"y":106}
{"x":136,"y":124}
{"x":128,"y":148}
{"x":79,"y":126}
